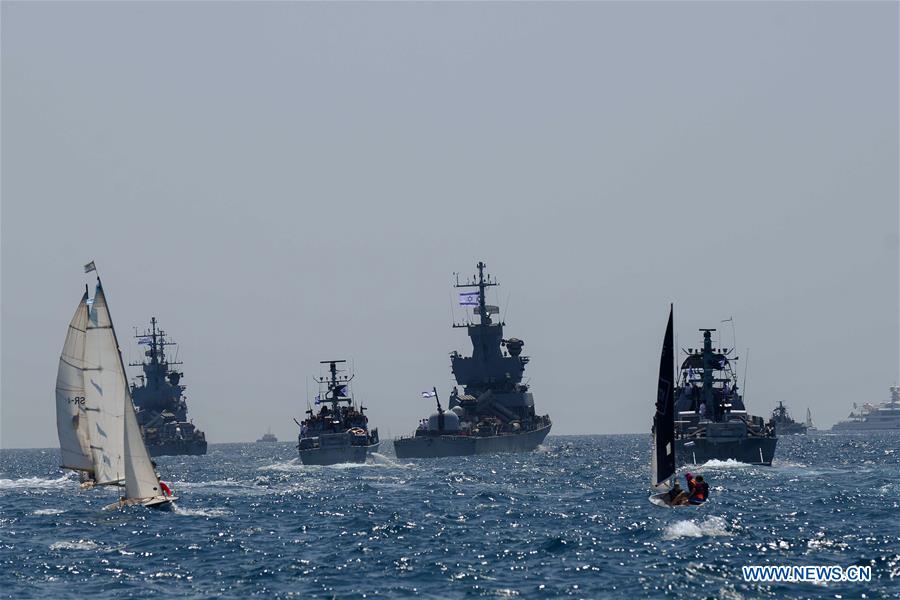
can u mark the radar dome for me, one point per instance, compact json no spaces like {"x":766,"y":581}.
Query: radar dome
{"x":458,"y":411}
{"x":514,"y":345}
{"x":451,"y":422}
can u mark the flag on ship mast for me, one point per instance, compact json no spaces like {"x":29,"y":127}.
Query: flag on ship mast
{"x":468,"y":298}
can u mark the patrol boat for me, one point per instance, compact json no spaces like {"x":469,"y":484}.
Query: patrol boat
{"x":160,"y":402}
{"x":495,"y":412}
{"x":339,"y":432}
{"x":711,"y":422}
{"x":784,"y":424}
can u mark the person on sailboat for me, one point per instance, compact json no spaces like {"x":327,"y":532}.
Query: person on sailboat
{"x":165,"y":489}
{"x":677,"y":496}
{"x":691,"y":484}
{"x":701,"y":491}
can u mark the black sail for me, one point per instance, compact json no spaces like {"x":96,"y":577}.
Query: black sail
{"x":664,"y":419}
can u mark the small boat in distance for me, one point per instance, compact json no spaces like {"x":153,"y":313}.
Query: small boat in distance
{"x":810,"y":428}
{"x":267,"y":437}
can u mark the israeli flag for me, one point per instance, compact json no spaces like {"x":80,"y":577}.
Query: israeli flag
{"x":90,"y":267}
{"x":468,"y":298}
{"x":430,"y":394}
{"x":145,"y":340}
{"x":318,"y":399}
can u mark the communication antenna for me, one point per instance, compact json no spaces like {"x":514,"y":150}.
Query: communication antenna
{"x":746,"y":368}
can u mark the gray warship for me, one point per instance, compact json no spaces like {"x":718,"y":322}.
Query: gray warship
{"x":711,"y":422}
{"x":495,"y":413}
{"x":160,"y":402}
{"x":784,"y":424}
{"x":339,"y":432}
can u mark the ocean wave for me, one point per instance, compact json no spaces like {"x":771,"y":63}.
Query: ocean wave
{"x":201,"y":512}
{"x":709,"y":527}
{"x":35,"y":483}
{"x":48,"y":511}
{"x":76,"y":545}
{"x":379,"y":459}
{"x":724,"y":464}
{"x":291,"y":466}
{"x":221,"y":483}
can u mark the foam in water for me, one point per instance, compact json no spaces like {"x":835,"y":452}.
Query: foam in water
{"x":77,"y":545}
{"x":710,"y":527}
{"x":201,"y":512}
{"x":34,"y":483}
{"x":48,"y":511}
{"x":290,"y":466}
{"x":725,"y":464}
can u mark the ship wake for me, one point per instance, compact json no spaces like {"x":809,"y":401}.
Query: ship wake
{"x":709,"y":527}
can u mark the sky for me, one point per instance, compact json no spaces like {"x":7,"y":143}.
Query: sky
{"x":283,"y":183}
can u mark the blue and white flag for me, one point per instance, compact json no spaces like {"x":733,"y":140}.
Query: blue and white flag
{"x":430,"y":394}
{"x":318,"y":399}
{"x":90,"y":267}
{"x":468,"y":298}
{"x":145,"y":340}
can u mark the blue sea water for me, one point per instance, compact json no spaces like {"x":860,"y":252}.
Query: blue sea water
{"x":571,"y":519}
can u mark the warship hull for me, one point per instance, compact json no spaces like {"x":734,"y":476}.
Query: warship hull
{"x":750,"y":450}
{"x":178,"y":448}
{"x":790,"y":429}
{"x":337,"y":455}
{"x":427,"y":446}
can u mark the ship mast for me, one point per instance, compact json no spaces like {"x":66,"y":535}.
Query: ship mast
{"x":334,"y":385}
{"x":481,"y":282}
{"x":156,"y":369}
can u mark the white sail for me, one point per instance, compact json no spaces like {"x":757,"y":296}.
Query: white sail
{"x":140,"y":477}
{"x":106,"y":392}
{"x":71,"y":421}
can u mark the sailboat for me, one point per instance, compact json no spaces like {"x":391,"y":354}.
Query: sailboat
{"x":662,"y":458}
{"x":121,"y":442}
{"x":97,"y":426}
{"x":71,"y":418}
{"x":810,"y":428}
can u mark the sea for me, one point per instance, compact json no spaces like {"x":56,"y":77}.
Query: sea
{"x":569,"y":520}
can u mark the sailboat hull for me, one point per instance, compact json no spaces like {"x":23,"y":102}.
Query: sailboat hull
{"x":155,"y":502}
{"x":662,"y":500}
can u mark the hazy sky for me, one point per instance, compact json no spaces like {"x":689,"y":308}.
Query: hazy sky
{"x":282,"y":183}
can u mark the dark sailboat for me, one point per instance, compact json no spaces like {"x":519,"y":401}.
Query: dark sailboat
{"x":662,"y":460}
{"x":495,"y":412}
